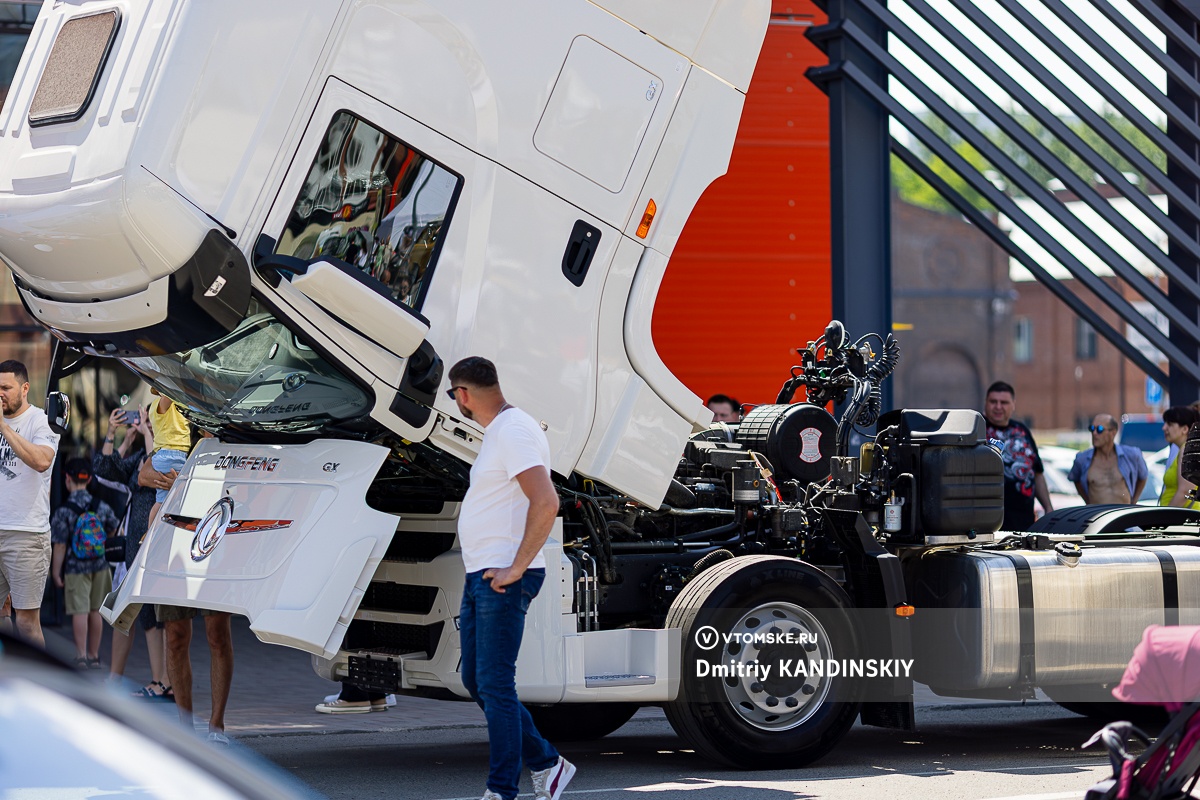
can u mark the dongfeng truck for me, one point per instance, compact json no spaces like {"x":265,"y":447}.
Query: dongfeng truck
{"x":290,"y":216}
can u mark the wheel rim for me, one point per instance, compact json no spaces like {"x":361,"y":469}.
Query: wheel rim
{"x":780,"y":702}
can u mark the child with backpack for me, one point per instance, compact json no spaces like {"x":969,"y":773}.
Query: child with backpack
{"x":78,"y":530}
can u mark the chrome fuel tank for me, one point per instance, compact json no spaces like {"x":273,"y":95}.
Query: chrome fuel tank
{"x":994,"y":620}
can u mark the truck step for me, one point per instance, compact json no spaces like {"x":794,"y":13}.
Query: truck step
{"x":597,"y":681}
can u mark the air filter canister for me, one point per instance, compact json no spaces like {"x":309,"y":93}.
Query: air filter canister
{"x":798,"y":439}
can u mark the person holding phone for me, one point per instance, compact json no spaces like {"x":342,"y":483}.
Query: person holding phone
{"x":123,"y":465}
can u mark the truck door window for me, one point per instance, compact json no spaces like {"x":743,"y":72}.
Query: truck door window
{"x":374,"y":202}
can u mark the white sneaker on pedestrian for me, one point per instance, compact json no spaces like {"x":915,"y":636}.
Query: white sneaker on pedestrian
{"x":488,"y":794}
{"x":218,"y":737}
{"x":548,"y":784}
{"x":349,"y":707}
{"x":389,"y":700}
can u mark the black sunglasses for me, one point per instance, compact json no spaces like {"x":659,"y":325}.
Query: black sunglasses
{"x":450,"y":392}
{"x":1096,"y":428}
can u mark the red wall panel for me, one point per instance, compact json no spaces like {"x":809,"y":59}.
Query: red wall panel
{"x":749,"y":281}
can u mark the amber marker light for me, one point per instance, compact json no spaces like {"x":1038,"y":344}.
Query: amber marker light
{"x":644,"y":229}
{"x":905,"y":610}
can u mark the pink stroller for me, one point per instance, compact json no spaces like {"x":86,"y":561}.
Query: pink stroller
{"x":1160,"y":673}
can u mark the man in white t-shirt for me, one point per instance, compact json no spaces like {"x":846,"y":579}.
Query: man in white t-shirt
{"x":27,"y":449}
{"x":505,"y":520}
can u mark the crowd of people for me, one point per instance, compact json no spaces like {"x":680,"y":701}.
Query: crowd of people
{"x":505,"y":568}
{"x":1104,"y":474}
{"x":72,"y":546}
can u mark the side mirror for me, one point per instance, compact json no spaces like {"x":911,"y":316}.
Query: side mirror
{"x":58,"y":411}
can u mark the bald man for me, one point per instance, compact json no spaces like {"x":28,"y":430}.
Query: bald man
{"x":1108,"y":472}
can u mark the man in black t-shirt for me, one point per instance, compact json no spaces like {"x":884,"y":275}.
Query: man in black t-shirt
{"x":1023,"y":479}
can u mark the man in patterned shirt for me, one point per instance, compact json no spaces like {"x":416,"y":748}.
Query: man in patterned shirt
{"x":1023,"y":478}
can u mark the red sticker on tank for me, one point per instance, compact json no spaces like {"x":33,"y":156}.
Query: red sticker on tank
{"x":810,"y":445}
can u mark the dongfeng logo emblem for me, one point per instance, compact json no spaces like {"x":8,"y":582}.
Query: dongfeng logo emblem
{"x":294,"y":381}
{"x":211,"y":529}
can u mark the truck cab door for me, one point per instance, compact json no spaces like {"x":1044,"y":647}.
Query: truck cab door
{"x":361,"y":217}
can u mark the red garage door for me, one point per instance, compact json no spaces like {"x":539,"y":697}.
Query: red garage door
{"x":750,"y":279}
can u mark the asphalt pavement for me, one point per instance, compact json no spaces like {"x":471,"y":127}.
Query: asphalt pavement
{"x":275,"y":690}
{"x":425,"y":748}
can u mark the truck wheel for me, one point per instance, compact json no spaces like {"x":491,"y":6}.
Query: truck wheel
{"x":580,"y":722}
{"x":745,"y":719}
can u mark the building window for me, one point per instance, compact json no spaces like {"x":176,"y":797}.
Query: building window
{"x":1085,"y":341}
{"x":1023,"y":341}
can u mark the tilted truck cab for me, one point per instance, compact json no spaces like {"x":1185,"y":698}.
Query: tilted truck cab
{"x":290,"y":217}
{"x":493,"y":164}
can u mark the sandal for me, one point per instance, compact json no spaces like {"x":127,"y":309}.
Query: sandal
{"x":80,"y":663}
{"x":149,"y":692}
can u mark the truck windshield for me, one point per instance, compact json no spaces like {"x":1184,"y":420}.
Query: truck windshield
{"x":261,"y":376}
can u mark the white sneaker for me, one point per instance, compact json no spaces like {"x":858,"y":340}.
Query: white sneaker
{"x":350,"y":707}
{"x":488,"y":794}
{"x":389,"y":700}
{"x":548,"y":784}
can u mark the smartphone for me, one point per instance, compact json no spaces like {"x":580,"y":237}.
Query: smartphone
{"x":132,"y":417}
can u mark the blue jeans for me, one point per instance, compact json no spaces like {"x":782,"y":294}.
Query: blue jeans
{"x":164,"y":461}
{"x":490,"y":626}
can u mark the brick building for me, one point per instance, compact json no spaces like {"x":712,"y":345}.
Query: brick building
{"x":1063,"y":372}
{"x":951,"y":302}
{"x":963,"y":322}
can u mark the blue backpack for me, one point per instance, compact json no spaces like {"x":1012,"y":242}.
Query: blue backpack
{"x":87,"y":540}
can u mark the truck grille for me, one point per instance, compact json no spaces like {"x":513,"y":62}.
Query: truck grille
{"x":418,"y":547}
{"x":393,"y":639}
{"x":400,"y":598}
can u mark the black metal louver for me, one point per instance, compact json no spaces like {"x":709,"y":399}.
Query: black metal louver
{"x":1000,"y":61}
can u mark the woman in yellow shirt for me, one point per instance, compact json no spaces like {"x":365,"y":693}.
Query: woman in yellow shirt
{"x":1177,"y":420}
{"x":172,"y":442}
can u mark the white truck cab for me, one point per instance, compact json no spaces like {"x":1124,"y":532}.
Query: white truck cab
{"x":291,"y":216}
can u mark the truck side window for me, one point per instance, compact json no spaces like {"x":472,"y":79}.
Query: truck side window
{"x":373,"y":201}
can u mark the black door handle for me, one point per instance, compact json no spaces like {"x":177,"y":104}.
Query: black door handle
{"x":580,"y":249}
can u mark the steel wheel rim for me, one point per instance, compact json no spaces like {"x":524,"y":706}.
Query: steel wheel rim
{"x":778,"y":703}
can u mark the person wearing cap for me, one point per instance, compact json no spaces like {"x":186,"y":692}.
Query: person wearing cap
{"x":85,"y":580}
